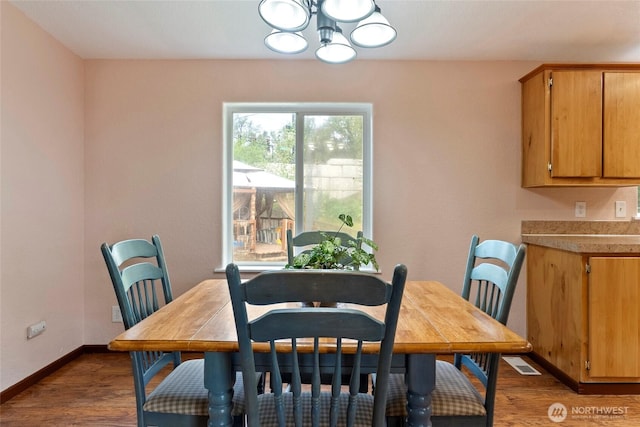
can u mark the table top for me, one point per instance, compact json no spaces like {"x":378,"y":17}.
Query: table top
{"x":433,"y":319}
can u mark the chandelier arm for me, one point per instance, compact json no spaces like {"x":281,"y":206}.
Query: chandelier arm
{"x":325,"y":26}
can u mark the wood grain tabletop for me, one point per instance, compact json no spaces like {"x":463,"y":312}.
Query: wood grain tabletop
{"x":433,"y":319}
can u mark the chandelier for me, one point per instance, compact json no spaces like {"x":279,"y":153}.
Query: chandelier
{"x":289,"y":18}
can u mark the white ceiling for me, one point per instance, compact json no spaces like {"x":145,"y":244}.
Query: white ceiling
{"x":535,"y":30}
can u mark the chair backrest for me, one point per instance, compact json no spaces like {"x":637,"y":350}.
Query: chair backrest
{"x":298,"y":331}
{"x":141,"y":287}
{"x":493,"y":268}
{"x":307,"y":238}
{"x":491,"y":275}
{"x":136,"y":281}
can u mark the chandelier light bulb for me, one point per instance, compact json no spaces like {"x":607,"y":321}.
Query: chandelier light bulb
{"x":348,"y":10}
{"x":286,"y":42}
{"x":338,"y":51}
{"x":373,"y":31}
{"x":285,"y":15}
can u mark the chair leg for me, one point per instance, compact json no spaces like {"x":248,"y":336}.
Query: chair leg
{"x":395,"y":422}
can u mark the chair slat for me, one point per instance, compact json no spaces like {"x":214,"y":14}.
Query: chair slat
{"x":307,"y":322}
{"x":139,"y":272}
{"x":315,"y":384}
{"x":122,"y":252}
{"x":321,"y":284}
{"x":296,"y":386}
{"x":354,"y":386}
{"x":277,"y":385}
{"x":336,"y":385}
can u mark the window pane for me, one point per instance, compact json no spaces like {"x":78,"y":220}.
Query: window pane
{"x":332,"y":171}
{"x":263,"y":185}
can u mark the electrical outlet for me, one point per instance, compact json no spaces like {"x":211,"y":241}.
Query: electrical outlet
{"x":581,"y":209}
{"x":36,"y":329}
{"x":621,"y":209}
{"x":116,"y":315}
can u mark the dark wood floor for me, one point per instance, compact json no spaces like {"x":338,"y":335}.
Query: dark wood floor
{"x":97,"y":390}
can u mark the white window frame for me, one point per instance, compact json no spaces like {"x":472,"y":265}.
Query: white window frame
{"x":302,"y":109}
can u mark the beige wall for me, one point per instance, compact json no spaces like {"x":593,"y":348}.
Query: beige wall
{"x":42,"y":175}
{"x":446,"y":161}
{"x":446,"y":155}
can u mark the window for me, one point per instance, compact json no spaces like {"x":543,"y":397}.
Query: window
{"x":292,"y":166}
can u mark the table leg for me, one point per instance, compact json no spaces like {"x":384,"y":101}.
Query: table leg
{"x":421,"y":380}
{"x":218,"y":379}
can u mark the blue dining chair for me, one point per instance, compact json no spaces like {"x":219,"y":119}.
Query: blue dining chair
{"x":491,"y":275}
{"x":142,"y":287}
{"x":298,"y":331}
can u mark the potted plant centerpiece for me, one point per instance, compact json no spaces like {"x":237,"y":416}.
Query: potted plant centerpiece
{"x":332,"y":253}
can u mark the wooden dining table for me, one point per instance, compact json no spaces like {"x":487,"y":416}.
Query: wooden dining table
{"x":433,"y":320}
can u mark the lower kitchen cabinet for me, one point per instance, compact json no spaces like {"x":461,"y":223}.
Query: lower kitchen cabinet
{"x":583,"y":318}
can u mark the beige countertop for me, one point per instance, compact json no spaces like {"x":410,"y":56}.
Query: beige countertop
{"x":595,"y":243}
{"x":594,"y":237}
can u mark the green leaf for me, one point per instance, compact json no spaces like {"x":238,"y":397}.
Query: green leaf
{"x":346,"y":220}
{"x":370,"y":243}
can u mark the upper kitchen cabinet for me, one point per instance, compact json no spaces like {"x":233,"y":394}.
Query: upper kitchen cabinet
{"x":581,"y":125}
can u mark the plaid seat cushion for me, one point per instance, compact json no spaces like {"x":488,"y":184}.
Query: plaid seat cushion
{"x":364,"y":409}
{"x":454,"y":395}
{"x":183,"y":392}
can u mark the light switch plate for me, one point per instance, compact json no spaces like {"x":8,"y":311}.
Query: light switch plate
{"x":621,"y":209}
{"x":36,"y":329}
{"x":581,"y":209}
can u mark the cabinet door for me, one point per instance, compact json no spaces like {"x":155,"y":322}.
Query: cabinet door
{"x":556,"y":319}
{"x":576,"y":124}
{"x":614,"y":318}
{"x":621,"y":144}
